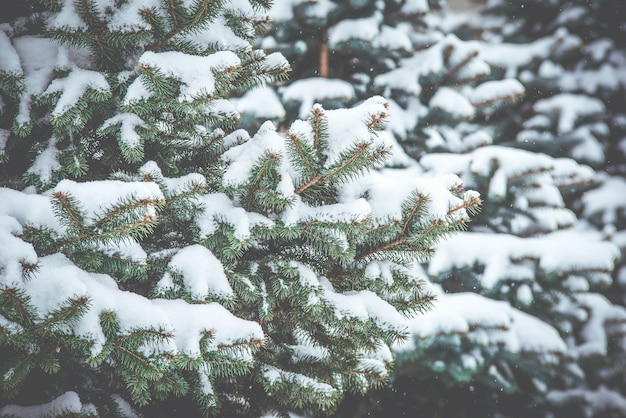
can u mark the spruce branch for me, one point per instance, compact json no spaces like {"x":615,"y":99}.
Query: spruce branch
{"x":138,"y":229}
{"x":260,"y":173}
{"x":67,"y":209}
{"x":319,"y":126}
{"x":15,"y":305}
{"x":359,"y":150}
{"x":301,"y":154}
{"x":416,"y":209}
{"x":68,"y":313}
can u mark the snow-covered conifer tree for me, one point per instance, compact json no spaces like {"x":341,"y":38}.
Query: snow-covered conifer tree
{"x":546,"y":330}
{"x":158,"y":260}
{"x":343,"y":52}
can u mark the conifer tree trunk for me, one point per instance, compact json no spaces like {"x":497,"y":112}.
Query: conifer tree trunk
{"x":324,"y":64}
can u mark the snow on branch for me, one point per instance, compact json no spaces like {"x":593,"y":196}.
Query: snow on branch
{"x":484,"y":321}
{"x":562,"y":253}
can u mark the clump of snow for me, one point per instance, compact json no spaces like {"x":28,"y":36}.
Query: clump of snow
{"x":262,"y":102}
{"x":415,"y":6}
{"x":595,"y":338}
{"x":125,"y":408}
{"x":485,"y":321}
{"x":190,"y":322}
{"x":498,"y":163}
{"x":176,"y":185}
{"x":46,"y":163}
{"x":498,"y":253}
{"x":363,"y":29}
{"x":9,"y":58}
{"x":305,"y":349}
{"x":356,"y":210}
{"x":29,"y":209}
{"x":128,"y":248}
{"x":383,"y":270}
{"x":15,"y":252}
{"x":129,"y":122}
{"x":67,"y":403}
{"x":363,"y":305}
{"x":274,"y":375}
{"x":569,"y":108}
{"x":513,"y":57}
{"x":67,"y":18}
{"x":607,"y":200}
{"x":433,"y":60}
{"x":219,"y":208}
{"x":596,"y":401}
{"x":405,"y":119}
{"x":452,"y":102}
{"x":196,"y":73}
{"x":202,"y":273}
{"x":282,"y":11}
{"x":242,"y":158}
{"x":387,"y":190}
{"x":393,"y":38}
{"x":308,"y":91}
{"x":73,"y":88}
{"x":37,"y":56}
{"x":96,"y":197}
{"x":496,"y":90}
{"x":345,"y":133}
{"x":57,"y":279}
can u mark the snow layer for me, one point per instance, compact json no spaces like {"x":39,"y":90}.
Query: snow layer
{"x":67,"y":403}
{"x":557,"y":252}
{"x":202,"y":273}
{"x":308,"y":91}
{"x":485,"y":321}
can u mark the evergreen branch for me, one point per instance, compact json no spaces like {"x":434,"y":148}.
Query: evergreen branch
{"x":370,"y":375}
{"x":383,"y":226}
{"x":414,"y":209}
{"x":297,"y":145}
{"x":252,"y":342}
{"x":147,"y":222}
{"x":318,"y":238}
{"x":435,"y":224}
{"x":361,"y":149}
{"x":200,"y":13}
{"x":150,"y":332}
{"x":136,"y":356}
{"x":28,"y":269}
{"x":513,"y":178}
{"x":310,"y":183}
{"x":487,"y":102}
{"x":18,"y":370}
{"x":318,"y":126}
{"x":88,"y":14}
{"x":421,"y":303}
{"x":126,"y":208}
{"x":68,"y":313}
{"x":172,"y":10}
{"x":267,"y":166}
{"x":471,"y":205}
{"x":157,"y":83}
{"x":16,"y":300}
{"x":377,"y":122}
{"x":454,"y":70}
{"x":199,"y":18}
{"x":395,"y":243}
{"x":463,"y":81}
{"x":69,"y":207}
